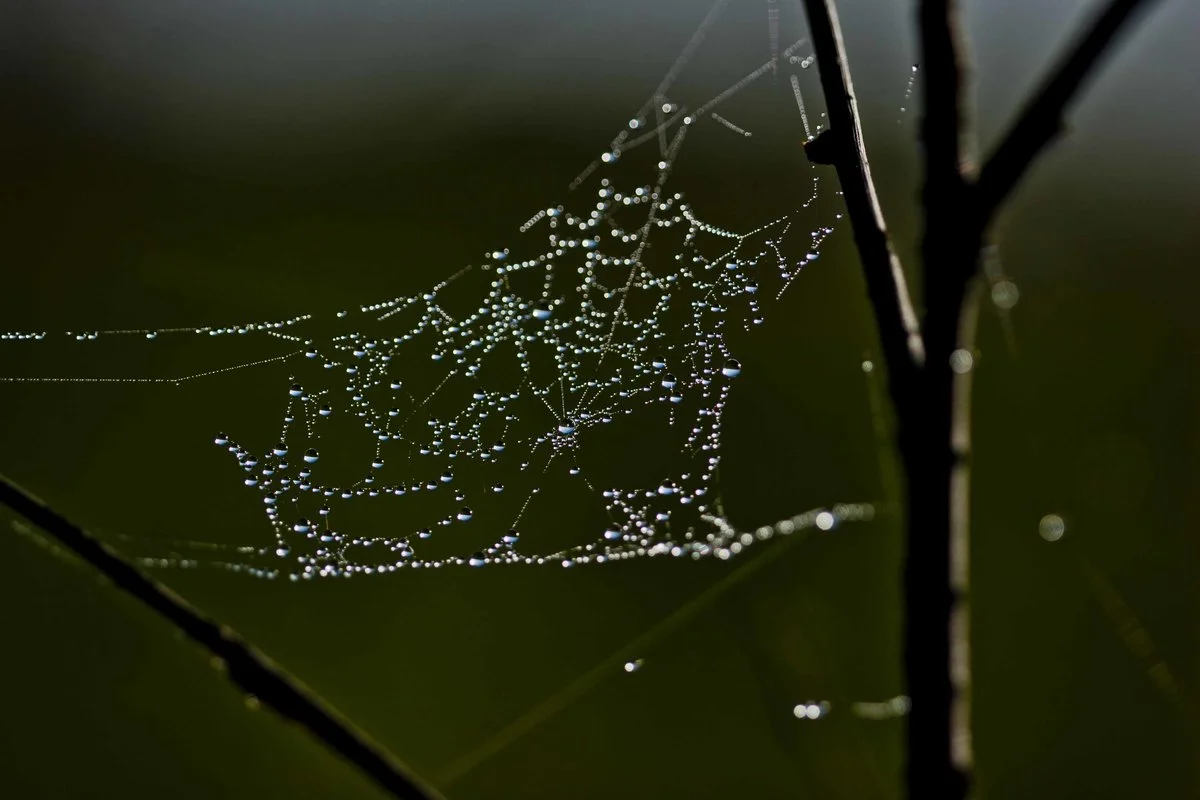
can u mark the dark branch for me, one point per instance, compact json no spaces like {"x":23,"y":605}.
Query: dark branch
{"x":252,"y":671}
{"x":942,"y":81}
{"x":936,"y":629}
{"x":1042,"y":119}
{"x":899,"y":331}
{"x":932,"y":401}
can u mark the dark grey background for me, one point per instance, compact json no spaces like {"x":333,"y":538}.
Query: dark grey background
{"x":213,"y":162}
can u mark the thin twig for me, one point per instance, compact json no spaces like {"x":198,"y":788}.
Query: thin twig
{"x":1042,"y":119}
{"x":252,"y":671}
{"x":899,"y":331}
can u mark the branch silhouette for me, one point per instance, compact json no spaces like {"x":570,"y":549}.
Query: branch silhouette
{"x":900,"y":333}
{"x":929,"y":366}
{"x":252,"y":671}
{"x":1042,"y":119}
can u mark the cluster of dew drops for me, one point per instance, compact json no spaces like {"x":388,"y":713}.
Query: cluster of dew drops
{"x":608,"y":359}
{"x":596,"y":325}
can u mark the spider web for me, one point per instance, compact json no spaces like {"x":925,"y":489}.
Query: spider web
{"x":594,"y":361}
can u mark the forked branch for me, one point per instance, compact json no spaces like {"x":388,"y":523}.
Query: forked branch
{"x":930,"y":389}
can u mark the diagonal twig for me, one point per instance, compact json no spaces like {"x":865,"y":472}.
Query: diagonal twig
{"x":252,"y":671}
{"x":899,"y":330}
{"x":1042,"y":119}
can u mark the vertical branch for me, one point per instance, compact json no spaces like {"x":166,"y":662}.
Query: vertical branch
{"x":935,"y":439}
{"x":962,"y":364}
{"x":930,"y":398}
{"x":920,"y":380}
{"x":957,"y":212}
{"x":899,"y":331}
{"x":933,"y":443}
{"x":930,"y":367}
{"x":942,"y":130}
{"x":252,"y":671}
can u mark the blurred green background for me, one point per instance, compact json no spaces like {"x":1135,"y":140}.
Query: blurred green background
{"x":170,"y":162}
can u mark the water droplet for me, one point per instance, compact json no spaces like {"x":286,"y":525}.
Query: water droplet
{"x":311,"y":456}
{"x":732,"y":368}
{"x":635,"y":665}
{"x":669,"y":382}
{"x":302,"y":525}
{"x":812,"y":710}
{"x":1052,"y":527}
{"x":465,"y":514}
{"x":1005,"y":294}
{"x":961,"y":361}
{"x":566,"y":426}
{"x":542,"y":311}
{"x":477,"y":560}
{"x":222,"y":439}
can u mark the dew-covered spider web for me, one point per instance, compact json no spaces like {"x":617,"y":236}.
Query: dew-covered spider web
{"x":593,"y":358}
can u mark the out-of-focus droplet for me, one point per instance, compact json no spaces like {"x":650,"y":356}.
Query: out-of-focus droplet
{"x":1005,"y":294}
{"x":961,"y":361}
{"x":1052,"y":527}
